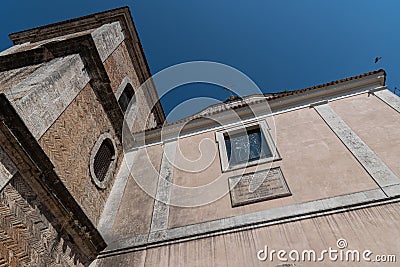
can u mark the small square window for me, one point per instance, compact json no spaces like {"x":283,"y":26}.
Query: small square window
{"x":245,"y":146}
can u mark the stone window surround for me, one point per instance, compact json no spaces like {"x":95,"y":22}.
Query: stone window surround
{"x":103,"y":184}
{"x":122,"y":86}
{"x":220,"y":137}
{"x":132,"y":107}
{"x":128,"y":93}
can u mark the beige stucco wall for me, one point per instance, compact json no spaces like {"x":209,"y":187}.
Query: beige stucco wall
{"x":315,"y":163}
{"x":376,"y":123}
{"x":375,"y":228}
{"x":136,"y":209}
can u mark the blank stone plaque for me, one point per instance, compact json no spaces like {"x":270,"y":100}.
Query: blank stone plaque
{"x":271,"y":184}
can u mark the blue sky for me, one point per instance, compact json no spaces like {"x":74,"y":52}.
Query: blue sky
{"x":285,"y":44}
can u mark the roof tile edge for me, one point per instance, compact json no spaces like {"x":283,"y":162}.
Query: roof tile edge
{"x":270,"y":97}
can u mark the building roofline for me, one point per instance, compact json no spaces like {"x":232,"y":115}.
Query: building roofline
{"x":69,"y":26}
{"x":272,"y":96}
{"x":134,"y":46}
{"x":245,"y":107}
{"x":247,"y":100}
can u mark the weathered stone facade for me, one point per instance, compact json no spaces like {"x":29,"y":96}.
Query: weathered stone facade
{"x":120,"y":68}
{"x":69,"y":142}
{"x":27,"y":236}
{"x":58,"y":87}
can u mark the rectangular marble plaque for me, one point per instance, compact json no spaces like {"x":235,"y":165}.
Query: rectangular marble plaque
{"x":258,"y":186}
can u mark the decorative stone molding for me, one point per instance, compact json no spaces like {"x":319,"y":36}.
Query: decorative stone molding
{"x":160,"y":217}
{"x":47,"y":92}
{"x":132,"y":107}
{"x":114,"y":200}
{"x":389,"y":98}
{"x":249,"y":221}
{"x":352,"y":86}
{"x":127,"y":80}
{"x":107,"y":38}
{"x":374,"y":165}
{"x":102,"y":183}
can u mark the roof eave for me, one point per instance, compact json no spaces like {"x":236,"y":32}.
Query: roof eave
{"x":305,"y":97}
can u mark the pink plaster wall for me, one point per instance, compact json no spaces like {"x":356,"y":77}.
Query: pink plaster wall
{"x":315,"y":163}
{"x":376,"y":123}
{"x":136,"y":209}
{"x":374,"y":229}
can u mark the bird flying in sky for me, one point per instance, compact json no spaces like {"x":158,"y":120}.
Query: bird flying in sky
{"x":377,"y":59}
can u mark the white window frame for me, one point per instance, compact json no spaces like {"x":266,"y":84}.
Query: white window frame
{"x":264,"y":129}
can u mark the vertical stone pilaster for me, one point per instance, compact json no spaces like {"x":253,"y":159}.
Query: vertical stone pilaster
{"x":389,"y":98}
{"x":107,"y":38}
{"x":376,"y":168}
{"x":7,"y":169}
{"x":161,"y":205}
{"x":114,"y":200}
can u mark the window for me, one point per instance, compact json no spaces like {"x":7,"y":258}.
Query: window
{"x":126,"y":97}
{"x":103,"y":160}
{"x":245,"y":146}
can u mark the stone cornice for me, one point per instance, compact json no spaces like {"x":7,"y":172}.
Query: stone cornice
{"x":253,"y":108}
{"x":86,"y":48}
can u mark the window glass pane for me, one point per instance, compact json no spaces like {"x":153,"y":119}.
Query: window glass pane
{"x":228,"y":147}
{"x":126,"y":97}
{"x":240,"y":148}
{"x":246,"y":147}
{"x":123,"y":102}
{"x":258,"y":145}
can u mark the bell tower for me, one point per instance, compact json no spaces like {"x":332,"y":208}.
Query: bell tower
{"x":61,"y":132}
